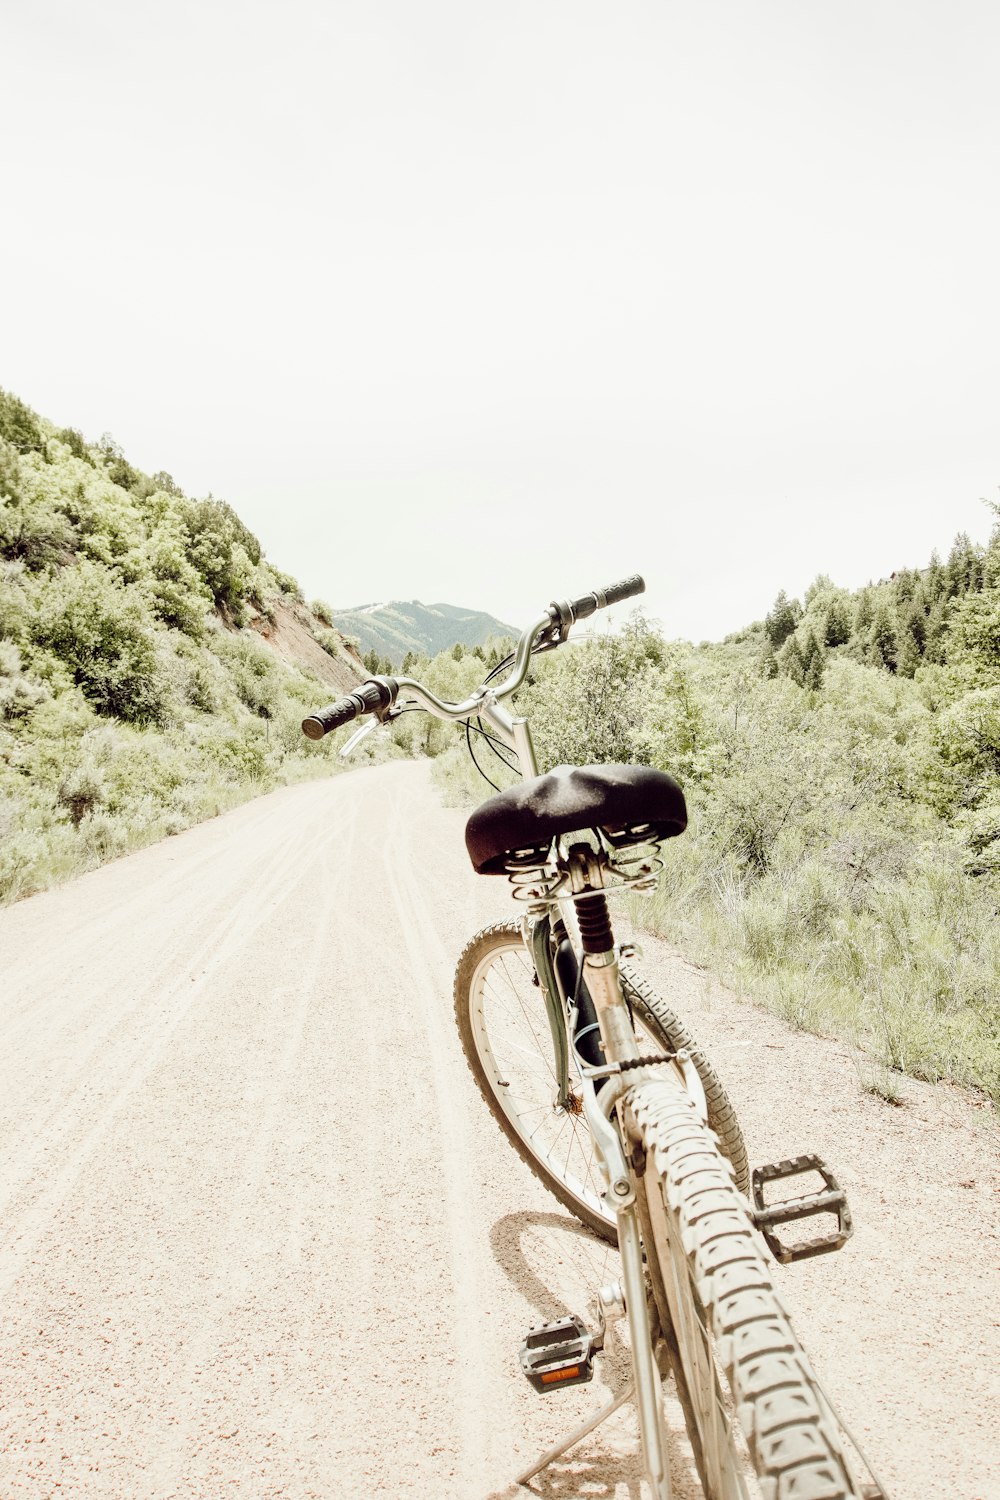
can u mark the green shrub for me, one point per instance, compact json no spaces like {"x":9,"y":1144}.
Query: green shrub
{"x":330,"y":641}
{"x":223,"y":550}
{"x":82,"y":789}
{"x":33,"y":530}
{"x":253,"y":670}
{"x":288,"y":585}
{"x":176,"y":590}
{"x":106,"y":639}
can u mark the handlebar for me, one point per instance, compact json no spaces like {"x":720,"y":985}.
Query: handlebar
{"x":374,"y":696}
{"x":378,"y":695}
{"x":589,"y":604}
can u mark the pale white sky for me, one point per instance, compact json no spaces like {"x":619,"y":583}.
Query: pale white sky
{"x":485,"y":303}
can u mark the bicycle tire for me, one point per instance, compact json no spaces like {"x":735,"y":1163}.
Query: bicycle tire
{"x":514,"y":1046}
{"x":713,"y":1284}
{"x":721,"y":1115}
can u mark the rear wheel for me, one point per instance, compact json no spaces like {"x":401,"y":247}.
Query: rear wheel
{"x":505,"y":1034}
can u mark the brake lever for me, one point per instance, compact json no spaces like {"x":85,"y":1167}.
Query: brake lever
{"x":357,"y":737}
{"x":548,"y":640}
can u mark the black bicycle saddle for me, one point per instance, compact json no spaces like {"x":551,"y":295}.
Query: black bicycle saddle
{"x":628,"y":803}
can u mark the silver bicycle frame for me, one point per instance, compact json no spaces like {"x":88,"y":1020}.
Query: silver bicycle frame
{"x":604,"y":983}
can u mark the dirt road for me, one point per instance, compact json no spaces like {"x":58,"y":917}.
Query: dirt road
{"x":259,"y":1238}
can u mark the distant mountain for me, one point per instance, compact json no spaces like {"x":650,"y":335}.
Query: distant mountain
{"x":394,"y":629}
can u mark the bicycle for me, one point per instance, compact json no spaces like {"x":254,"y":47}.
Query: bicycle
{"x":604,"y":1093}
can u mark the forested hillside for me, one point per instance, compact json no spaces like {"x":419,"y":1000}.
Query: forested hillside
{"x":154,"y":667}
{"x":841,"y":761}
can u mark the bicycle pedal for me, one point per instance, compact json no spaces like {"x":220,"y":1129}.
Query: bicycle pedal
{"x":832,"y":1200}
{"x":558,"y":1354}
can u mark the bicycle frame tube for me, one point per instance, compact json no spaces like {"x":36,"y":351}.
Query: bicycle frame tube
{"x":515,"y":732}
{"x":541,"y":956}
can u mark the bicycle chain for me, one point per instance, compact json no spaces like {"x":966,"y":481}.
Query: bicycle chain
{"x":648,"y":1062}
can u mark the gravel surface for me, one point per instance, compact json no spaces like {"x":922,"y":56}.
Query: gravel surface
{"x":259,"y":1236}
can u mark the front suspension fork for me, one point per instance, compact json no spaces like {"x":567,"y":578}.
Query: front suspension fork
{"x":621,"y":1194}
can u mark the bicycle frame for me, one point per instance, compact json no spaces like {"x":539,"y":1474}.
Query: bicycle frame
{"x":599,"y":1110}
{"x":615,"y":1022}
{"x":636,"y":1114}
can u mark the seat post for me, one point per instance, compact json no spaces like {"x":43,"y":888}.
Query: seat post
{"x":600,"y":959}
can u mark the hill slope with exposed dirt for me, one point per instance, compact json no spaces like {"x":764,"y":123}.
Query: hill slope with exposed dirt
{"x":154,"y":666}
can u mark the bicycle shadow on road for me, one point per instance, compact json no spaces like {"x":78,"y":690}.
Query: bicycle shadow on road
{"x":557,"y":1265}
{"x":552,"y":1260}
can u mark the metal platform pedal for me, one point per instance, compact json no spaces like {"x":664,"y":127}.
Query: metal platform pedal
{"x":832,"y":1200}
{"x":558,"y":1354}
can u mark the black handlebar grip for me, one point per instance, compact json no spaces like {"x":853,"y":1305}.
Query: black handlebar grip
{"x":331,"y":717}
{"x":373,"y":695}
{"x":624,"y":590}
{"x":589,"y":604}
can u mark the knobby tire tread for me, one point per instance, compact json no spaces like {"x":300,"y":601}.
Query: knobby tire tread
{"x":721,"y":1115}
{"x":792,"y":1434}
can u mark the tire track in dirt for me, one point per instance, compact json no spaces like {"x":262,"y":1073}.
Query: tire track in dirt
{"x":228,"y":1281}
{"x":95,"y":1083}
{"x":429,"y":967}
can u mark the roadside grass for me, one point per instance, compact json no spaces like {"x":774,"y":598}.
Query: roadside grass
{"x":93,"y":796}
{"x":905,"y":969}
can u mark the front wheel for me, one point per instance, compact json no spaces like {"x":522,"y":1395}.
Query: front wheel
{"x":727,"y":1326}
{"x":505,"y":1034}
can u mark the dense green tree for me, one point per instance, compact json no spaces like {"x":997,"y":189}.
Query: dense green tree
{"x":905,"y":585}
{"x":223,"y":550}
{"x":973,"y":634}
{"x":117,"y":466}
{"x":883,"y":648}
{"x":166,"y":482}
{"x":19,"y":425}
{"x":378,"y":666}
{"x":935,"y":632}
{"x":864,"y":610}
{"x":964,"y":568}
{"x":821,"y":586}
{"x":75,"y":442}
{"x":177,"y":592}
{"x":813,"y":661}
{"x":790,"y":660}
{"x":911,"y":637}
{"x":838,"y":622}
{"x":934,"y":580}
{"x":33,"y":530}
{"x":782,"y":619}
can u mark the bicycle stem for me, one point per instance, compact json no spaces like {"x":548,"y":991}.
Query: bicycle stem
{"x":515,"y":732}
{"x":484,"y":700}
